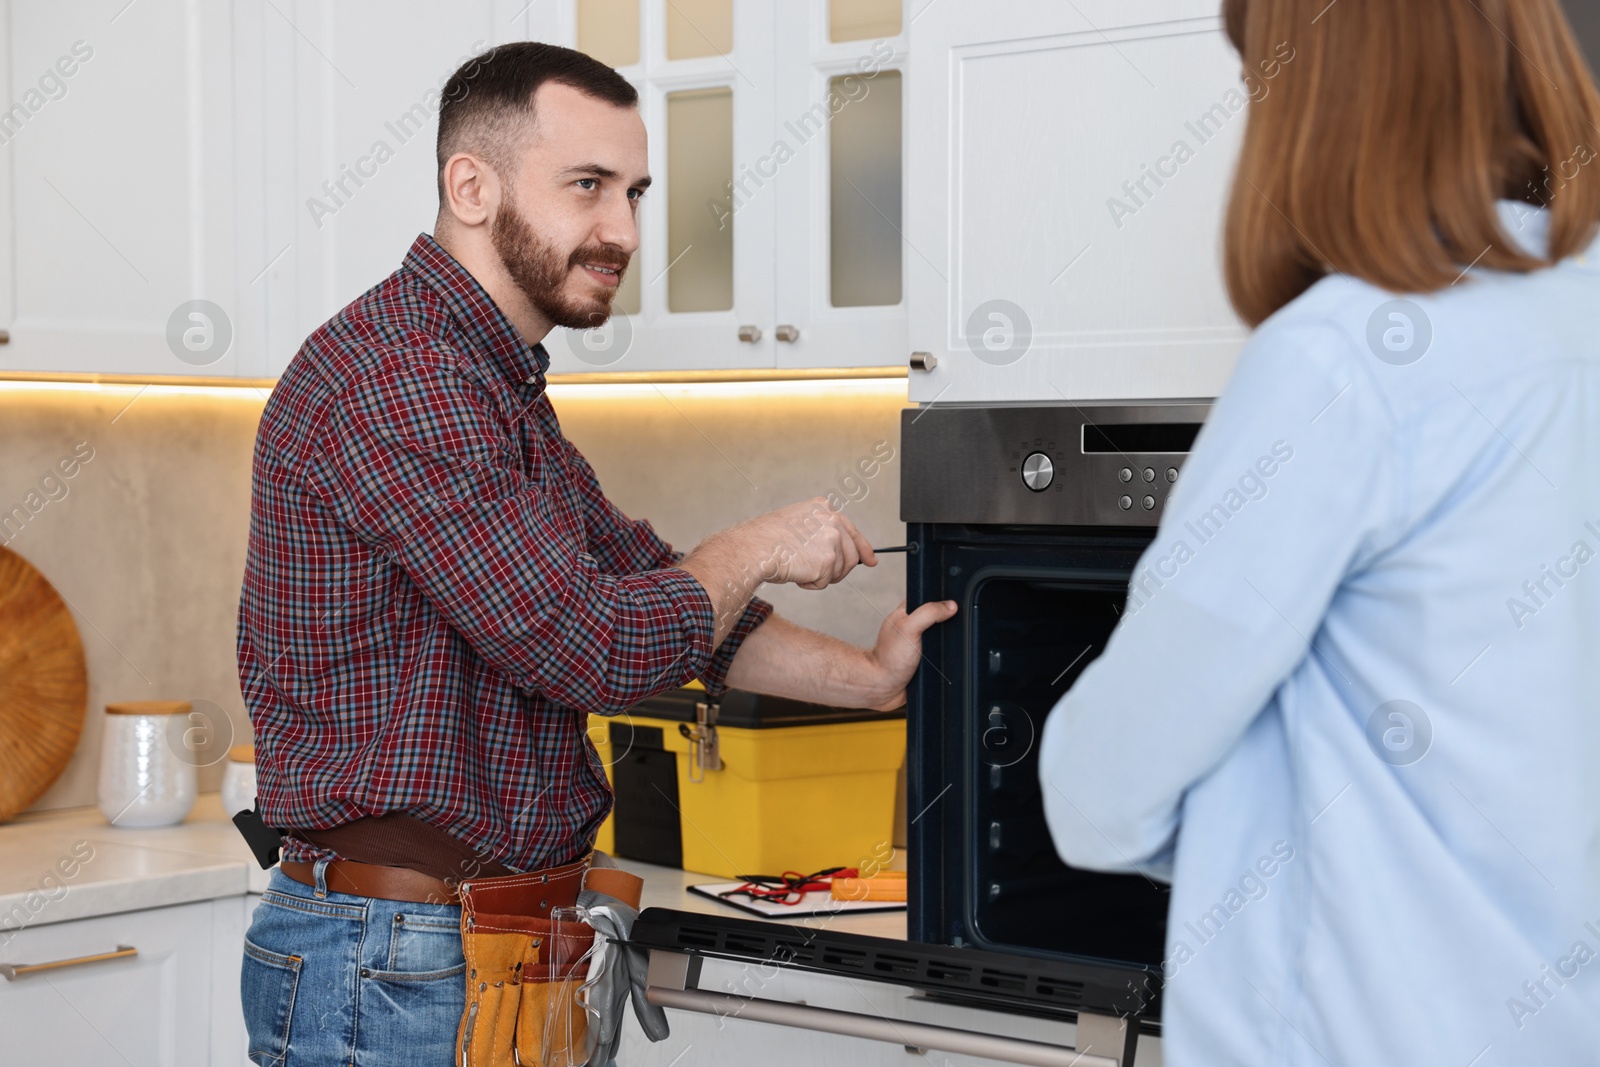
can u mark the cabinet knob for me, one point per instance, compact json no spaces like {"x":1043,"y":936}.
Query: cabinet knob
{"x":787,"y":334}
{"x":750,"y":334}
{"x":924,"y":361}
{"x":5,"y":337}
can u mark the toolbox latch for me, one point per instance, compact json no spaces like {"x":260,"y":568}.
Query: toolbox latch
{"x":704,"y":753}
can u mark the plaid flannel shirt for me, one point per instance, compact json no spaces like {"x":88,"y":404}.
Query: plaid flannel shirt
{"x":437,"y":592}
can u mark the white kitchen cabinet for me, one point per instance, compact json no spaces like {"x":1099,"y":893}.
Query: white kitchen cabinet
{"x":276,"y":159}
{"x":155,"y":1008}
{"x":699,"y":291}
{"x":354,"y":88}
{"x":346,"y":100}
{"x":741,"y":218}
{"x":230,"y":918}
{"x":118,"y":135}
{"x":1070,"y":167}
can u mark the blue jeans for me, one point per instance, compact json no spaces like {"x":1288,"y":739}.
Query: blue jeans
{"x":331,"y":978}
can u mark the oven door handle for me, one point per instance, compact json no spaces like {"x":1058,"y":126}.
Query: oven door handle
{"x":673,"y":977}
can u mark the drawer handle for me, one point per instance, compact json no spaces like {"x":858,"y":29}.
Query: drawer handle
{"x":13,"y":971}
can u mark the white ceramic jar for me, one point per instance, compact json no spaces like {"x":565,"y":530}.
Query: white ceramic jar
{"x":239,"y":780}
{"x":146,"y":775}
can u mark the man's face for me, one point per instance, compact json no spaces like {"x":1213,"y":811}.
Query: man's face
{"x":567,"y":224}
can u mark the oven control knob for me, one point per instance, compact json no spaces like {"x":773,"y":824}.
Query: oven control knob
{"x":1038,"y":472}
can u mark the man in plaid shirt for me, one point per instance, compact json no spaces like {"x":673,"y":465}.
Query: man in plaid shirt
{"x":437,"y":591}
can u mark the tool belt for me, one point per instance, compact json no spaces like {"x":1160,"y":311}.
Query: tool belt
{"x":526,"y":955}
{"x":525,"y":966}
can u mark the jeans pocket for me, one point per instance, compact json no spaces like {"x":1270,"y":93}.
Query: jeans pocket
{"x":268,"y":983}
{"x":410,"y":1018}
{"x":423,"y":944}
{"x":411,"y":1007}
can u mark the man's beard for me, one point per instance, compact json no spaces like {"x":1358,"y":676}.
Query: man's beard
{"x":541,"y":272}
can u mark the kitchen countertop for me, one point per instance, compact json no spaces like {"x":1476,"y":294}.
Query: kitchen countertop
{"x":116,"y":869}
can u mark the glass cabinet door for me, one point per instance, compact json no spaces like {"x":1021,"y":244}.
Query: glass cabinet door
{"x":698,"y":294}
{"x":839,"y":237}
{"x":773,"y":233}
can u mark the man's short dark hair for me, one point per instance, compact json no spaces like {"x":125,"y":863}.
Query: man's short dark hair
{"x":487,"y":105}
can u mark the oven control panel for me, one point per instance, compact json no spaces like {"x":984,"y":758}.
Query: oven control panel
{"x":1055,"y":464}
{"x":1141,"y":486}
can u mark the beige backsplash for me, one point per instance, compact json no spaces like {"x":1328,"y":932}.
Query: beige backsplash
{"x":146,"y":541}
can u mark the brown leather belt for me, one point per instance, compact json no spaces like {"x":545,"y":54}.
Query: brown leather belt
{"x":371,"y":880}
{"x":531,"y":894}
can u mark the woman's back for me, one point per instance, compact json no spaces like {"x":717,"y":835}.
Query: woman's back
{"x":1368,"y":761}
{"x":1398,"y":860}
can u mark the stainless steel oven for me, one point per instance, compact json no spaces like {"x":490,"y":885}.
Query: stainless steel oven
{"x":1031,"y":517}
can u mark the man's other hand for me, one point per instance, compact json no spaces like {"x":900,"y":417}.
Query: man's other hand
{"x":895,"y":657}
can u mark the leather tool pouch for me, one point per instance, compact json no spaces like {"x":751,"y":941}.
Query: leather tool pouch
{"x":506,"y":936}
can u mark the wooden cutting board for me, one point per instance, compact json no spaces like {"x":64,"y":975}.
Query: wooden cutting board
{"x":44,"y":688}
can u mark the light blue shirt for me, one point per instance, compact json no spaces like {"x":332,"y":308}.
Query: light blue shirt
{"x":1352,"y":712}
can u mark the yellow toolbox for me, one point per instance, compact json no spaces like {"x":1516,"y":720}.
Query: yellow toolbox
{"x":749,"y":784}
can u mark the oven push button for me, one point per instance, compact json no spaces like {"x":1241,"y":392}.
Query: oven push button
{"x":1038,"y":472}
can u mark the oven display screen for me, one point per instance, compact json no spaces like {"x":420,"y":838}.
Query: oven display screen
{"x":1140,"y":437}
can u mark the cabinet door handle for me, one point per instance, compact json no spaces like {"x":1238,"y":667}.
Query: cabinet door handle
{"x":13,"y":971}
{"x":787,"y":334}
{"x":5,"y":337}
{"x":750,"y":334}
{"x":924,"y":361}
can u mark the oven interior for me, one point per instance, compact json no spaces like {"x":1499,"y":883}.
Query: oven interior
{"x":1037,"y":606}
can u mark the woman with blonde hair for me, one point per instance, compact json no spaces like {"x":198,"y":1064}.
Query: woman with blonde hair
{"x":1369,"y":759}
